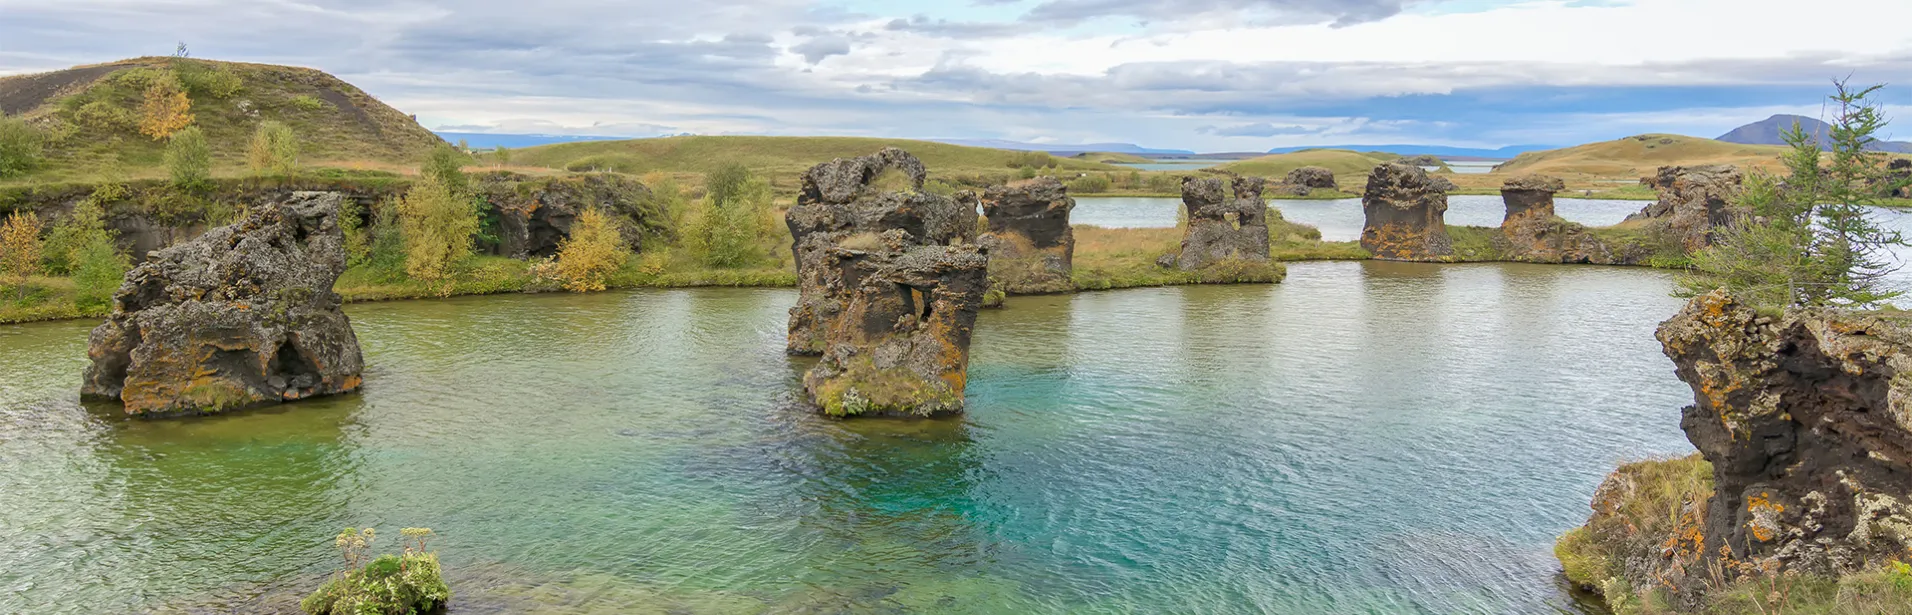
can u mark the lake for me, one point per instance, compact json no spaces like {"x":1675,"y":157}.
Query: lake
{"x":1367,"y":437}
{"x":1341,"y":219}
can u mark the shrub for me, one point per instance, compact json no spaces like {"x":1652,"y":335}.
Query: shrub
{"x":20,"y":147}
{"x":726,"y":232}
{"x":502,"y":156}
{"x":1090,"y":184}
{"x":207,"y":79}
{"x":404,"y":584}
{"x":98,"y":273}
{"x":352,"y":225}
{"x":164,"y":108}
{"x":86,"y":225}
{"x":438,"y":228}
{"x":385,"y":257}
{"x":189,"y":159}
{"x":1164,"y":183}
{"x":274,"y":150}
{"x":724,"y":183}
{"x":20,"y":250}
{"x":594,"y":251}
{"x":1032,"y":159}
{"x":308,"y":102}
{"x":105,"y":115}
{"x":1026,"y":172}
{"x":447,"y":165}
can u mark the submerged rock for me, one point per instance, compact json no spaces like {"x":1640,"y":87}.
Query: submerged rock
{"x":1693,"y":201}
{"x":1807,"y":420}
{"x":838,"y":204}
{"x":890,"y":283}
{"x":1406,"y":215}
{"x":1220,"y":227}
{"x":1305,"y":180}
{"x":901,"y":345}
{"x":1031,"y":246}
{"x":240,"y":316}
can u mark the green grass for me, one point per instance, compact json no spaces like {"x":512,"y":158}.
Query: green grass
{"x":783,"y":159}
{"x":94,"y":136}
{"x":1341,"y":162}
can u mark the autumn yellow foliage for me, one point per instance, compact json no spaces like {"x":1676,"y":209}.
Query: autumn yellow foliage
{"x":20,"y":249}
{"x":165,"y":109}
{"x":594,"y":251}
{"x":437,"y":225}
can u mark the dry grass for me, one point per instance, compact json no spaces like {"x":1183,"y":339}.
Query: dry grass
{"x":1639,"y":156}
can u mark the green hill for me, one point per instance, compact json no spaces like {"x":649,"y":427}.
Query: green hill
{"x":90,"y":116}
{"x":776,"y":156}
{"x":1639,"y":155}
{"x":1342,"y":162}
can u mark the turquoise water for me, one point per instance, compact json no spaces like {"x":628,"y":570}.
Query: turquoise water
{"x":1365,"y":438}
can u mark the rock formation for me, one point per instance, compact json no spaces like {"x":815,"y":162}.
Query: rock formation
{"x":1693,"y":200}
{"x":1406,"y":215}
{"x":1532,"y":233}
{"x":1807,"y":420}
{"x":1221,"y":228}
{"x":839,"y":206}
{"x":889,"y":285}
{"x":535,"y":214}
{"x":1304,"y":180}
{"x":900,"y":347}
{"x":1423,"y":160}
{"x":1031,"y":246}
{"x":242,"y":315}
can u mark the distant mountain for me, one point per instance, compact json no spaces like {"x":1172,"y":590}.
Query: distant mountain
{"x":1416,"y":150}
{"x":486,"y":140}
{"x":1770,"y":131}
{"x":1119,"y":148}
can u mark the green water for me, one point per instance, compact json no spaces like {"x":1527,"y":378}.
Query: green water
{"x":1365,"y":438}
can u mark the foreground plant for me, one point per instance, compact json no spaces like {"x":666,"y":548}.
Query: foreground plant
{"x":402,"y":584}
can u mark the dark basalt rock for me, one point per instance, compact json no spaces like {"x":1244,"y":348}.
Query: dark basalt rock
{"x":1898,"y":178}
{"x":1031,"y":246}
{"x":1220,"y":227}
{"x":1406,"y":215}
{"x":535,"y":215}
{"x":1305,"y":180}
{"x":242,"y":315}
{"x":1693,"y":201}
{"x":1806,"y":418}
{"x":838,"y":206}
{"x":901,"y":345}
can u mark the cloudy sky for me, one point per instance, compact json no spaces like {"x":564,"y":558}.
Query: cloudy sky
{"x":1210,"y":75}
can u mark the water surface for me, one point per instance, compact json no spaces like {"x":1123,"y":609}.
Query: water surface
{"x":1365,"y":438}
{"x":1341,"y":219}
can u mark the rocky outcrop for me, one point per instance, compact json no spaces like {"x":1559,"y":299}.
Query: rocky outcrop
{"x":1031,"y":246}
{"x":1423,"y":160}
{"x":1223,"y":227}
{"x":535,"y":214}
{"x":1406,"y":215}
{"x":889,"y":285}
{"x":242,"y":315}
{"x":1807,"y":420}
{"x":1532,"y":233}
{"x":1305,"y":180}
{"x":900,"y":347}
{"x":839,"y":208}
{"x":1693,"y":201}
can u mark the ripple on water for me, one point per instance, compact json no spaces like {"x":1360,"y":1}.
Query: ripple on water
{"x":1364,"y":438}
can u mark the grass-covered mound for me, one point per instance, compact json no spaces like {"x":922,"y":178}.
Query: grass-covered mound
{"x":1646,"y":528}
{"x":409,"y":583}
{"x":1638,"y":156}
{"x":97,"y":121}
{"x":783,"y":159}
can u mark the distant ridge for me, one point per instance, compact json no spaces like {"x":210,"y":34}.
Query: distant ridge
{"x":1415,"y":150}
{"x":486,"y":140}
{"x":1117,"y":148}
{"x":1771,"y":131}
